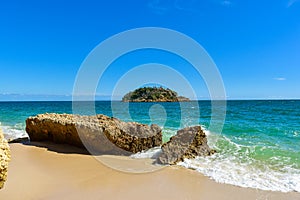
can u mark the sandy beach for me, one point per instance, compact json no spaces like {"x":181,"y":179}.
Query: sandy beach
{"x":51,"y":171}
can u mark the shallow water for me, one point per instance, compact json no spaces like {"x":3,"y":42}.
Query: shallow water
{"x":258,"y":147}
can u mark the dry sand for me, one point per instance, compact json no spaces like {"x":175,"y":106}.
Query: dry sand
{"x":65,"y":172}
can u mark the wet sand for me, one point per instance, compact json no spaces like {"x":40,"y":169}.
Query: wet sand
{"x":51,"y":171}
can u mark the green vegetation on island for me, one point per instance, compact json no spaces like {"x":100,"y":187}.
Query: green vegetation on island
{"x":153,"y":94}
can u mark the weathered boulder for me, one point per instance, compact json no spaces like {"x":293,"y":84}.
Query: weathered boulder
{"x":187,"y":143}
{"x":4,"y":159}
{"x":99,"y":134}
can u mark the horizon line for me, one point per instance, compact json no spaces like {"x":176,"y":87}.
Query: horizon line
{"x":235,"y":99}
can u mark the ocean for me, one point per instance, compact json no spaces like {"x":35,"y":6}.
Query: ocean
{"x":258,"y":147}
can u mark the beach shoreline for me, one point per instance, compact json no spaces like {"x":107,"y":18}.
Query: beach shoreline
{"x":56,"y":171}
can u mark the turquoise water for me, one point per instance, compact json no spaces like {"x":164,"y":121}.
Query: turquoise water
{"x":259,"y":145}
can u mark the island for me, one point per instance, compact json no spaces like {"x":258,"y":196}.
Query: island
{"x":153,"y":94}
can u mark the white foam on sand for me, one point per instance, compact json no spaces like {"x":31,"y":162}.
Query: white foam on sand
{"x":234,"y":169}
{"x":152,"y":153}
{"x":226,"y":171}
{"x":14,"y":132}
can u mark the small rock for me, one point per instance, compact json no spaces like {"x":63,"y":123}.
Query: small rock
{"x":187,"y":143}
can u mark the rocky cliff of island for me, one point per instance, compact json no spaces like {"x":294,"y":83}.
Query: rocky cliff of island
{"x":4,"y":159}
{"x":153,"y":94}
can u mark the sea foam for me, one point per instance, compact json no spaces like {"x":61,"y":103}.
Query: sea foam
{"x":236,"y":168}
{"x":13,"y":132}
{"x":152,"y":153}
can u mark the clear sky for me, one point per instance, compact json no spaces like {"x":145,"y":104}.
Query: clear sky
{"x":255,"y":44}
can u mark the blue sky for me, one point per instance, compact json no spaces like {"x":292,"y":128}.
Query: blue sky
{"x":255,"y":44}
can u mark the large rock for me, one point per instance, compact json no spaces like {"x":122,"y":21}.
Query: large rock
{"x":4,"y":159}
{"x":187,"y":143}
{"x":99,"y":134}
